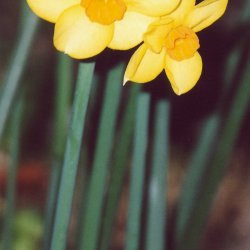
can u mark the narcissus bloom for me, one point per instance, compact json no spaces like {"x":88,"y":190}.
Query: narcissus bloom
{"x":84,"y":28}
{"x":171,"y":43}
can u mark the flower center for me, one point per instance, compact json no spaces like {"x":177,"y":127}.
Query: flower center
{"x":104,"y":11}
{"x":181,"y":43}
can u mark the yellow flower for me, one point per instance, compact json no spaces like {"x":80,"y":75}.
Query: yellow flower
{"x":84,"y":28}
{"x":171,"y":43}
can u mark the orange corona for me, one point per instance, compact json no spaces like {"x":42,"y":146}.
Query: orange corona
{"x":181,"y":43}
{"x":104,"y":11}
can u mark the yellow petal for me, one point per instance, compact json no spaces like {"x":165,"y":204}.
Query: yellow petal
{"x":157,"y":32}
{"x":183,"y":75}
{"x":128,"y":32}
{"x":78,"y":37}
{"x":50,"y":9}
{"x":152,"y":7}
{"x":182,"y":10}
{"x":206,"y":13}
{"x":144,"y":65}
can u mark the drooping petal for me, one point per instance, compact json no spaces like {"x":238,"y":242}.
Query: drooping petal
{"x":183,"y":75}
{"x":128,"y":32}
{"x":152,"y":7}
{"x":78,"y":37}
{"x":50,"y":9}
{"x":157,"y":32}
{"x":205,"y":13}
{"x":182,"y":10}
{"x":144,"y":65}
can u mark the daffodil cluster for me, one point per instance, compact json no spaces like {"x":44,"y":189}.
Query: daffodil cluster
{"x":166,"y":30}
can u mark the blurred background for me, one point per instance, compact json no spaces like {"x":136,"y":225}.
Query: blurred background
{"x":228,"y":225}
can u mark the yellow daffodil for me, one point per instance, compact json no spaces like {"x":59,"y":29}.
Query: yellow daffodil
{"x":171,"y":43}
{"x":84,"y":28}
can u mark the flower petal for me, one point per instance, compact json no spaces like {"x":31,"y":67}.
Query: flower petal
{"x":182,"y":10}
{"x":144,"y":65}
{"x":50,"y":9}
{"x":152,"y":7}
{"x":183,"y":75}
{"x":77,"y":36}
{"x":206,"y":13}
{"x":157,"y":32}
{"x":128,"y":32}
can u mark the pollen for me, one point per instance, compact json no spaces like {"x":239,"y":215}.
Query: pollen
{"x":104,"y":11}
{"x":181,"y":43}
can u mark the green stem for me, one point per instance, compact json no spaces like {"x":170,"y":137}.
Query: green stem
{"x":196,"y":169}
{"x":203,"y":151}
{"x":62,"y":103}
{"x":102,"y":157}
{"x":245,"y":12}
{"x":156,"y":218}
{"x":71,"y":156}
{"x":120,"y":167}
{"x":84,"y":163}
{"x":137,"y":172}
{"x":15,"y":129}
{"x":218,"y":164}
{"x":16,"y":68}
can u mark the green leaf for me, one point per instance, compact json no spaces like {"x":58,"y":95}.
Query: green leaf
{"x":71,"y":156}
{"x":156,"y":216}
{"x":62,"y":103}
{"x":96,"y":190}
{"x":226,"y":141}
{"x":16,"y":67}
{"x":14,"y":148}
{"x":119,"y":167}
{"x":137,"y":172}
